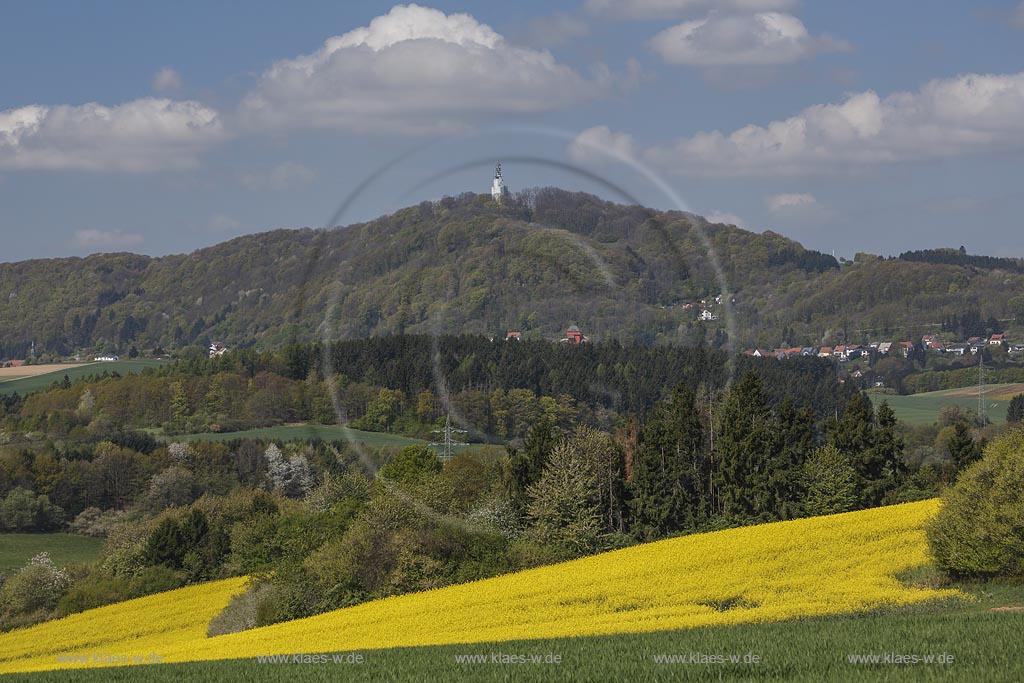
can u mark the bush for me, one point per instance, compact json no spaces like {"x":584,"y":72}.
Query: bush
{"x":100,"y":588}
{"x":95,"y":522}
{"x":977,"y":532}
{"x":33,"y":592}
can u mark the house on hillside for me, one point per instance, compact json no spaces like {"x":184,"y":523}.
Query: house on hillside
{"x":107,"y":359}
{"x":995,"y":340}
{"x":574,"y":336}
{"x":825,"y":352}
{"x":515,"y":336}
{"x":217,"y":349}
{"x":884,"y":348}
{"x":957,"y":349}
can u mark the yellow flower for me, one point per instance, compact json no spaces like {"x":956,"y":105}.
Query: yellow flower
{"x":810,"y":567}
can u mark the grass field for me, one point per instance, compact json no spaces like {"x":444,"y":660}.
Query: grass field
{"x":16,"y":549}
{"x":986,"y":646}
{"x":838,"y":565}
{"x":29,"y":383}
{"x":924,"y":408}
{"x":295,"y":432}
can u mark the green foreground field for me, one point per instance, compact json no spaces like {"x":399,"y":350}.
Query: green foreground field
{"x":985,"y":645}
{"x":920,"y":409}
{"x":295,"y":432}
{"x":26,"y":385}
{"x":16,"y":549}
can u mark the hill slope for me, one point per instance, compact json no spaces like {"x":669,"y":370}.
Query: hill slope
{"x":544,"y":261}
{"x":810,"y":567}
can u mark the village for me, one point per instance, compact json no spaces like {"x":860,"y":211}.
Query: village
{"x":929,"y":343}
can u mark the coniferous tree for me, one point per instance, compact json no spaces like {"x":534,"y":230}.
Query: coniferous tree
{"x":1015,"y":411}
{"x":962,"y":447}
{"x":525,"y":467}
{"x":746,"y":442}
{"x":830,"y":481}
{"x":669,"y":470}
{"x":795,"y":430}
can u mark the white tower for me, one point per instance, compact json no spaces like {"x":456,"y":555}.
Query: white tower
{"x":498,"y":189}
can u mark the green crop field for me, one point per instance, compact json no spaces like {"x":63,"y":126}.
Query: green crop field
{"x":16,"y":549}
{"x":985,"y":645}
{"x":295,"y":432}
{"x":918,"y":409}
{"x":25,"y":385}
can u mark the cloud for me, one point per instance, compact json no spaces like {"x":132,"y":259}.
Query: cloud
{"x":663,"y":9}
{"x":944,"y":118}
{"x":762,"y":39}
{"x":725,"y":217}
{"x":789,"y":201}
{"x":104,"y":240}
{"x":599,"y":143}
{"x":416,"y":69}
{"x":142,"y":135}
{"x":284,"y":176}
{"x":166,"y":80}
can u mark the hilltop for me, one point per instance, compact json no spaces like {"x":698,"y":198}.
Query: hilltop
{"x":546,"y":259}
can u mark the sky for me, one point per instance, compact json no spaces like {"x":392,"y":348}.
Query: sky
{"x":162,"y":128}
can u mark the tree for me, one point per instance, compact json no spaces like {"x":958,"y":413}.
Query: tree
{"x":174,"y":487}
{"x":830,"y":481}
{"x":411,"y":465}
{"x":525,"y":467}
{"x":977,"y":529}
{"x":668,"y":490}
{"x":1015,"y":411}
{"x":745,"y":445}
{"x":561,"y":505}
{"x":962,"y":447}
{"x":795,"y":430}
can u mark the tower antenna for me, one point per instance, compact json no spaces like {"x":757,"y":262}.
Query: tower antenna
{"x":447,"y":442}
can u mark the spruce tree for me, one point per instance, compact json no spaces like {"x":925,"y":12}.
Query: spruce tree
{"x":1015,"y":411}
{"x":747,"y":442}
{"x":668,"y":491}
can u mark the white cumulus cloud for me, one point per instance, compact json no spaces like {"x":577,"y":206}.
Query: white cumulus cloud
{"x":418,"y":69}
{"x":944,"y":118}
{"x":599,"y":143}
{"x":142,"y":135}
{"x":764,"y":38}
{"x":166,"y":80}
{"x":104,"y":240}
{"x":789,"y":200}
{"x":662,"y":9}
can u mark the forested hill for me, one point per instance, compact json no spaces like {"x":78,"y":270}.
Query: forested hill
{"x":545,"y":260}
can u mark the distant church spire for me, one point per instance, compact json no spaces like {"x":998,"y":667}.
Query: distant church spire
{"x":498,"y":189}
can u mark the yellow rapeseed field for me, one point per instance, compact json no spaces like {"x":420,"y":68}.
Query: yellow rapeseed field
{"x":810,"y":567}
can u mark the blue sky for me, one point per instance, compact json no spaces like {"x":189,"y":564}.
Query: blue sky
{"x":162,"y":128}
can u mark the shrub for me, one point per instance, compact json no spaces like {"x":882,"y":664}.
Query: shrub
{"x":95,"y":522}
{"x":977,"y":532}
{"x":33,"y":591}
